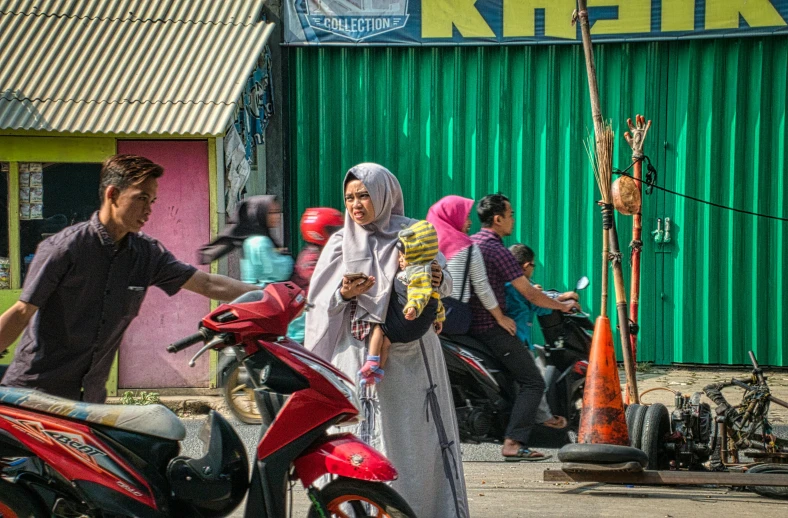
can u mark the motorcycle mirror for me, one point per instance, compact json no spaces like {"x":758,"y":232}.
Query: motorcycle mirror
{"x":582,"y":283}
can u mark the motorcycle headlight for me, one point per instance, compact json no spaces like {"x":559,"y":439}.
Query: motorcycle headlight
{"x":347,"y":389}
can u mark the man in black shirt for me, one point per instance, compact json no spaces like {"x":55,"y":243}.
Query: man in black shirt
{"x":86,"y":284}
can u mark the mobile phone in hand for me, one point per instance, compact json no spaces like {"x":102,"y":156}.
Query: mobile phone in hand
{"x":356,"y":276}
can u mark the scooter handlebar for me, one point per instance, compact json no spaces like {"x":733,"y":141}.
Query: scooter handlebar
{"x":190,"y":340}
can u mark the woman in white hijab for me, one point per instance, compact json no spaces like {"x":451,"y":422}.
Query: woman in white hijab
{"x":416,"y":427}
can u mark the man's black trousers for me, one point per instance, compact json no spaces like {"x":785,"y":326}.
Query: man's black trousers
{"x":520,"y":367}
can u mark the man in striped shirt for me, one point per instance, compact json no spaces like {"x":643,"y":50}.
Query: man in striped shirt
{"x":497,"y":218}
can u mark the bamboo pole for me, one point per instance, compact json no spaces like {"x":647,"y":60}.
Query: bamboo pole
{"x":605,"y":270}
{"x":635,"y":138}
{"x":623,"y":316}
{"x":604,"y":168}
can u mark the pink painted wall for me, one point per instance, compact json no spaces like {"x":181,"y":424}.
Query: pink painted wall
{"x":180,"y":221}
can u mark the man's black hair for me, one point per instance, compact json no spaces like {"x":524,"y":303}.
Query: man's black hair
{"x":522,"y":253}
{"x":490,"y":206}
{"x":122,"y":171}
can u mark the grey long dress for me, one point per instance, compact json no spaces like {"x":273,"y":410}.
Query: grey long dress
{"x":407,"y":435}
{"x":415,"y":427}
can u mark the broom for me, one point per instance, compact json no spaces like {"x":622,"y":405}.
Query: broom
{"x":603,"y":180}
{"x":603,"y":171}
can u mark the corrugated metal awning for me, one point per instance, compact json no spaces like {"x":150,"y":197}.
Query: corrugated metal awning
{"x":137,"y":67}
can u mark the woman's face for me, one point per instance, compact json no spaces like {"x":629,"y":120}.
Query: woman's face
{"x":467,"y":226}
{"x":359,"y":203}
{"x":274,"y":215}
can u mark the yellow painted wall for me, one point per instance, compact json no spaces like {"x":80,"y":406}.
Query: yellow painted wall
{"x":55,"y":149}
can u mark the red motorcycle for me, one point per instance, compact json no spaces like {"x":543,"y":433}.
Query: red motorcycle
{"x":66,"y":459}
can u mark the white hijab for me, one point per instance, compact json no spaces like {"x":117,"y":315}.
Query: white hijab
{"x":368,"y":249}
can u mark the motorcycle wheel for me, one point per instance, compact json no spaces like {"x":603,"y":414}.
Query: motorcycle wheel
{"x":18,"y":502}
{"x":770,"y":491}
{"x":345,"y":497}
{"x":240,"y":398}
{"x":575,"y":408}
{"x":656,"y":425}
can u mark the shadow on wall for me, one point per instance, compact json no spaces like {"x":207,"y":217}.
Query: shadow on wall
{"x":19,"y":112}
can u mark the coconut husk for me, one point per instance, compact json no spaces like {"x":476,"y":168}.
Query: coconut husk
{"x":626,"y":196}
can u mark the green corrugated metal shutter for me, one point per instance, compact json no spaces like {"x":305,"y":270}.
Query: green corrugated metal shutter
{"x":724,"y":281}
{"x":472,"y":121}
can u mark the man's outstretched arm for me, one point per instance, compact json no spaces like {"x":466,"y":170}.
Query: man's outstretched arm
{"x":216,"y":286}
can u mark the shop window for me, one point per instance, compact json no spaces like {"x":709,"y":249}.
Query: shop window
{"x":52,"y":197}
{"x":5,"y":265}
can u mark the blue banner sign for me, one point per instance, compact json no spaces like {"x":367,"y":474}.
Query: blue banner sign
{"x":496,"y":22}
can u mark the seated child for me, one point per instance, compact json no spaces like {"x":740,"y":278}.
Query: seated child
{"x":414,"y":304}
{"x":522,"y":311}
{"x":518,"y":308}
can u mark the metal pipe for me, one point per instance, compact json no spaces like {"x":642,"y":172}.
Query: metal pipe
{"x":723,"y":433}
{"x":778,"y":401}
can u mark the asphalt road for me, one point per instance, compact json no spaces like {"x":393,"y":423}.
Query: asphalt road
{"x":249,"y":434}
{"x":470,"y":452}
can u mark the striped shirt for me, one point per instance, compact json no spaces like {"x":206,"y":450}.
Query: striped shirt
{"x":476,"y":282}
{"x":501,"y":268}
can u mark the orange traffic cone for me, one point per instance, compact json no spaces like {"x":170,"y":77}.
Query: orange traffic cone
{"x":602,"y":420}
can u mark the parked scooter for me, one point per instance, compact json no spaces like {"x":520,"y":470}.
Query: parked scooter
{"x":565,"y":356}
{"x":239,"y":389}
{"x":483,"y":395}
{"x":65,"y":458}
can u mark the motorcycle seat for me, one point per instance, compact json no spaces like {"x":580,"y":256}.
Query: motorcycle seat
{"x":475,"y":346}
{"x":155,"y":420}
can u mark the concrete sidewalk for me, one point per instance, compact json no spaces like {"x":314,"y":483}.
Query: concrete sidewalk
{"x":498,"y":489}
{"x":504,"y":489}
{"x":507,"y":490}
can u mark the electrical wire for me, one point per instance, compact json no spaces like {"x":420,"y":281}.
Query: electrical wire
{"x":651,"y":184}
{"x":674,"y":392}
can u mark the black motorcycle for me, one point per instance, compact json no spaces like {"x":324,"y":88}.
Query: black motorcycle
{"x":483,"y":394}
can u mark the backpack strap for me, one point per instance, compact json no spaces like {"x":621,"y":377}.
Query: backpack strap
{"x":467,"y":269}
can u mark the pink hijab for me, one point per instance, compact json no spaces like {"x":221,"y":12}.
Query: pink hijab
{"x":448,"y":216}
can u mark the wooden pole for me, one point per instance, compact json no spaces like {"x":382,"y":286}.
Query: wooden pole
{"x":596,"y":112}
{"x":593,"y":87}
{"x":618,"y":275}
{"x":605,"y":281}
{"x":623,"y":317}
{"x":635,"y":139}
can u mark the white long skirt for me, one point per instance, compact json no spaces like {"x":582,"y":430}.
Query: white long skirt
{"x":407,"y":427}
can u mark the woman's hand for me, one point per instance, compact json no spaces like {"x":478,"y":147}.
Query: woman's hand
{"x":508,"y":324}
{"x":437,"y":274}
{"x":353,"y":288}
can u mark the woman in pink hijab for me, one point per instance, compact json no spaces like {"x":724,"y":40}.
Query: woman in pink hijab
{"x":451,"y":217}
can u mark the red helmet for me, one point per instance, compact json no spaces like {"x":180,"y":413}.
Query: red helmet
{"x":317,"y":224}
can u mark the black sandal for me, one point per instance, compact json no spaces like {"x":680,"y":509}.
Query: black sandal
{"x":525,"y":454}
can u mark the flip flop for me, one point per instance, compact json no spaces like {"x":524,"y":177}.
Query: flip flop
{"x":557,"y":422}
{"x":524,"y":454}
